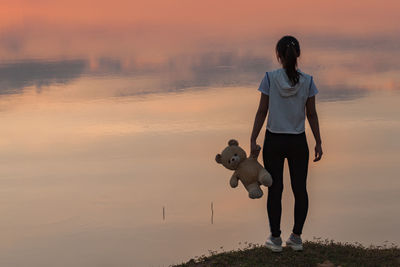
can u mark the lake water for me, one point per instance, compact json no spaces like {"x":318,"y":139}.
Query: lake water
{"x":111,"y":116}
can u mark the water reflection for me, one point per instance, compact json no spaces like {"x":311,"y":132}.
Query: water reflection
{"x":15,"y":76}
{"x":181,"y":73}
{"x":91,"y":177}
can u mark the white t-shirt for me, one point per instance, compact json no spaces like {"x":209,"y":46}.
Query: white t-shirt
{"x":286,"y":102}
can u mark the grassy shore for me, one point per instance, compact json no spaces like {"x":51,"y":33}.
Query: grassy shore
{"x":324,"y":253}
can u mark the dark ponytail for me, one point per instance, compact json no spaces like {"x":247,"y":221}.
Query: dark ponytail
{"x":288,"y":50}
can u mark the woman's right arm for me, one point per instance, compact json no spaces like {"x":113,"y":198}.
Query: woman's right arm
{"x":312,"y":117}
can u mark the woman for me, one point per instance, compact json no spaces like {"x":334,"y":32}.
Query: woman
{"x":288,"y":94}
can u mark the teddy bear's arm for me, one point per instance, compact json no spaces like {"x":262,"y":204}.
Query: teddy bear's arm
{"x":234,"y":180}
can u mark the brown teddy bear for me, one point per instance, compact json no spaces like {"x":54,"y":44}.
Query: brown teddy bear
{"x":247,"y":169}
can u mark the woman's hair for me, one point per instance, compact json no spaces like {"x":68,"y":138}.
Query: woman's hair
{"x":288,"y":49}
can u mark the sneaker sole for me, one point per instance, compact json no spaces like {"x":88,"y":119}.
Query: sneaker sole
{"x":294,"y":246}
{"x":273,"y":248}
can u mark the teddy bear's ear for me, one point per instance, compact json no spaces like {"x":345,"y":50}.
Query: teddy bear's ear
{"x":218,"y":158}
{"x":233,"y":142}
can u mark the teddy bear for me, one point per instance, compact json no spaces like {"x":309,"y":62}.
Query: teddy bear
{"x":247,"y":169}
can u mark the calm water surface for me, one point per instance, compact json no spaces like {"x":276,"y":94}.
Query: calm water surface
{"x":110,"y":116}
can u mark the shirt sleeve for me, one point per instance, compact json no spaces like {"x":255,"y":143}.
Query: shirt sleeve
{"x":313,"y":88}
{"x":264,"y":85}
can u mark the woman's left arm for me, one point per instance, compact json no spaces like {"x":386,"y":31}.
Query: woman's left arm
{"x":259,"y":122}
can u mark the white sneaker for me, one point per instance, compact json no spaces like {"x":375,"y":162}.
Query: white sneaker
{"x":295,"y":242}
{"x":274,"y":243}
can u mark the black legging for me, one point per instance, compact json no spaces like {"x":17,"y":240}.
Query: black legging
{"x":276,"y":148}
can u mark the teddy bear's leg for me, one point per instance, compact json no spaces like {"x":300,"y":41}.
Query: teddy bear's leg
{"x":265,"y":178}
{"x":254,"y":190}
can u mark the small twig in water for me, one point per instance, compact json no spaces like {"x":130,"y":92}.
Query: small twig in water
{"x":212,"y":213}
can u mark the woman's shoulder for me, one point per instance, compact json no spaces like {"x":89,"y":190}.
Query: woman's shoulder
{"x":277,"y":73}
{"x":274,"y":71}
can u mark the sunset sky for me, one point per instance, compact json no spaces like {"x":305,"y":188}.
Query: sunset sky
{"x":153,"y":29}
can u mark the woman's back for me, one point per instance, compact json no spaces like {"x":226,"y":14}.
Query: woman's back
{"x":287,"y":102}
